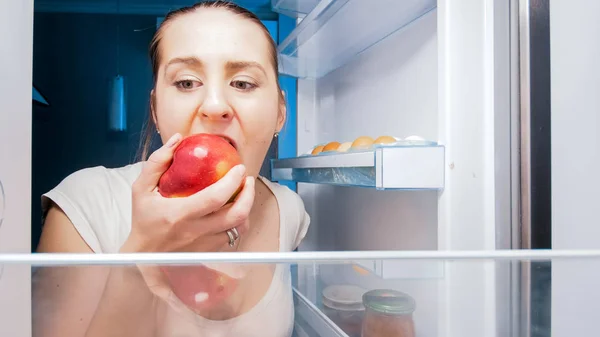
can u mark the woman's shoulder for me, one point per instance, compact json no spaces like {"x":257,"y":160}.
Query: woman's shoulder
{"x":98,"y":179}
{"x":296,"y":219}
{"x":96,"y":201}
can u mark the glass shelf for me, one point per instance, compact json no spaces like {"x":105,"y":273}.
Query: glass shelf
{"x":293,"y":8}
{"x":386,"y":167}
{"x":335,"y":31}
{"x":329,"y":298}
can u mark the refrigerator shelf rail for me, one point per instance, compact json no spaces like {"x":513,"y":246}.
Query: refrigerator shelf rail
{"x":336,"y":31}
{"x":314,"y":318}
{"x":394,"y":167}
{"x":293,"y":8}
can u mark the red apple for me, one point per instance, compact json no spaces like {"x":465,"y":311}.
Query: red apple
{"x":199,"y":161}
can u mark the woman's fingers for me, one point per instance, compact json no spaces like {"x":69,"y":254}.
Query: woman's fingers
{"x":234,"y":215}
{"x":156,"y":165}
{"x":213,"y":197}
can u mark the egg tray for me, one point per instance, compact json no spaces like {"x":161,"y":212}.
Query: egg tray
{"x":406,"y":167}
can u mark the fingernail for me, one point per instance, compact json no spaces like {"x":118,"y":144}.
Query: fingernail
{"x":238,"y":170}
{"x":173,"y":140}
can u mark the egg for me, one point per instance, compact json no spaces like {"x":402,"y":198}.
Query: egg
{"x":385,"y":140}
{"x":362,"y":142}
{"x":360,"y":270}
{"x":415,"y":138}
{"x":317,"y":150}
{"x":344,"y":147}
{"x":331,"y":146}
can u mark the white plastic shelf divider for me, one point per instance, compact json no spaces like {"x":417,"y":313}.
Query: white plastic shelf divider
{"x":335,"y":31}
{"x":397,"y":167}
{"x":293,"y":8}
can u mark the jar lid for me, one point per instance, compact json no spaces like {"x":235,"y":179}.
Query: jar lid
{"x":389,"y":301}
{"x":344,"y":297}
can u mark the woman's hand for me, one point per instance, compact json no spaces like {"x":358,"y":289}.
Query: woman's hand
{"x":195,"y":223}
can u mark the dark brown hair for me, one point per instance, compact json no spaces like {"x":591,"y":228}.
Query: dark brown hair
{"x":155,"y":57}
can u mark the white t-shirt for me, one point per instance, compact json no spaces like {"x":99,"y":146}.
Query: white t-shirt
{"x":97,"y":200}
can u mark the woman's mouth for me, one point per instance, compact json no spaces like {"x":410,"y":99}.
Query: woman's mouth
{"x":229,"y":140}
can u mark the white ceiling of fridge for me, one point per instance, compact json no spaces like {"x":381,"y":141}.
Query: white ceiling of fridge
{"x":335,"y":31}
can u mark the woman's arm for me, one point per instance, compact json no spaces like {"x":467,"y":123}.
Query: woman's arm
{"x":87,"y":300}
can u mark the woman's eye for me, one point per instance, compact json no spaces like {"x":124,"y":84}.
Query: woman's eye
{"x":187,"y":84}
{"x":242,"y":85}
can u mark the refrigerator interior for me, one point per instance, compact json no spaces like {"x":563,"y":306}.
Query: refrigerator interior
{"x":435,"y":69}
{"x":390,"y":89}
{"x":440,"y":70}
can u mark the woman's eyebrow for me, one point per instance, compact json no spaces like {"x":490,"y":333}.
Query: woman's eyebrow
{"x":233,"y":66}
{"x":191,"y":60}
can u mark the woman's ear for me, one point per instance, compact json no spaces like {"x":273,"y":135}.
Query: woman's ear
{"x":281,"y":117}
{"x":152,"y":107}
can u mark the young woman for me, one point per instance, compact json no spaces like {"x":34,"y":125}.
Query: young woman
{"x":215,"y":71}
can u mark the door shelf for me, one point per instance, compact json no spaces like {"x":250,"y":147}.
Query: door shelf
{"x":293,"y":8}
{"x":388,"y":167}
{"x":335,"y":31}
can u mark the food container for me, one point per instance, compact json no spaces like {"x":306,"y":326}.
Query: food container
{"x":388,"y":313}
{"x":343,"y":305}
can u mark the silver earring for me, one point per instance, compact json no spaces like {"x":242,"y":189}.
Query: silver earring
{"x":276,"y":134}
{"x":158,"y":131}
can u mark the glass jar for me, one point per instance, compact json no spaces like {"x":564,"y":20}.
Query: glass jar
{"x":343,"y":305}
{"x":388,"y":313}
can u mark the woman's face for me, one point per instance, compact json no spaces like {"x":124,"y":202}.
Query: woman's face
{"x":215,"y":76}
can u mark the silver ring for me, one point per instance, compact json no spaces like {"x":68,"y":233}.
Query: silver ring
{"x":232,"y":237}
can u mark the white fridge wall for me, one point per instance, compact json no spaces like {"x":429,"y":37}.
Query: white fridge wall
{"x":16,"y":34}
{"x":575,"y":118}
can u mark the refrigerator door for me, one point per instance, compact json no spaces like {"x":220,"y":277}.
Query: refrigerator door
{"x":16,"y":34}
{"x":559,"y":153}
{"x":573,"y":150}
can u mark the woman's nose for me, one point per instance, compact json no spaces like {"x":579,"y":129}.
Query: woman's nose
{"x":215,"y":107}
